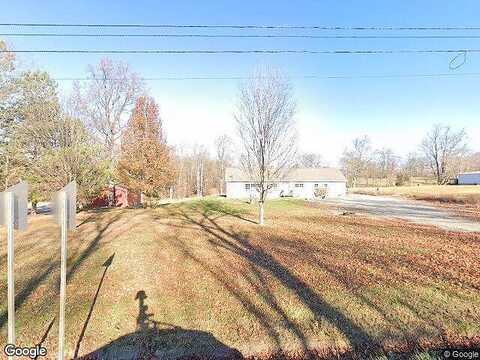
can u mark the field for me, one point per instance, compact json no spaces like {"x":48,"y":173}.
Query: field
{"x":413,"y":181}
{"x":201,"y":277}
{"x":455,"y":194}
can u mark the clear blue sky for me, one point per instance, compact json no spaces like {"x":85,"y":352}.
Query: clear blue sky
{"x":393,"y":112}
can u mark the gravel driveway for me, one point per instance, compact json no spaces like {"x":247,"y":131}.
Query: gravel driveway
{"x":411,"y":210}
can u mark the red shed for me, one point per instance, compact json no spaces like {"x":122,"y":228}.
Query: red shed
{"x":122,"y":195}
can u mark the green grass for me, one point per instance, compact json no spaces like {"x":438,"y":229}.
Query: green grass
{"x":200,"y":275}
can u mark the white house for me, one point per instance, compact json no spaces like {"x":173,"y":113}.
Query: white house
{"x":469,"y":178}
{"x":299,"y":182}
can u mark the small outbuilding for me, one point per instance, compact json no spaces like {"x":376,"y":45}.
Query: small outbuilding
{"x":469,"y":178}
{"x":116,"y":196}
{"x":306,"y":183}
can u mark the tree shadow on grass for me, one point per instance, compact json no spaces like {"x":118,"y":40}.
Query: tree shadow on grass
{"x":45,"y":335}
{"x":262,"y":262}
{"x":371,"y":266}
{"x":49,"y":267}
{"x":155,"y":340}
{"x":106,"y":265}
{"x":215,"y":208}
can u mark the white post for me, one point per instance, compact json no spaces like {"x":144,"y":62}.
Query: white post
{"x":63,"y":202}
{"x":65,"y":206}
{"x":260,"y":215}
{"x":13,"y":214}
{"x":9,"y":212}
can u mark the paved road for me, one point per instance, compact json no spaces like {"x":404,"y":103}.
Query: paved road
{"x":411,"y":210}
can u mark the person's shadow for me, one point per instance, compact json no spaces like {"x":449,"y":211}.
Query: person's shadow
{"x":156,"y":340}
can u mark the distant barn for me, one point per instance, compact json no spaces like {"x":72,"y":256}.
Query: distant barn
{"x":117,"y":196}
{"x":469,"y":178}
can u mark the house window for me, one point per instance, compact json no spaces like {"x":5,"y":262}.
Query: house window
{"x":247,"y":187}
{"x":316,"y":186}
{"x":299,"y":185}
{"x":273,"y":185}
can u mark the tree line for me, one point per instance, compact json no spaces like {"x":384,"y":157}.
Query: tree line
{"x":107,"y":131}
{"x":441,"y":156}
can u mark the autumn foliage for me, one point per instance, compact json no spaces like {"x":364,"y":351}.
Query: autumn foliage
{"x":145,"y":164}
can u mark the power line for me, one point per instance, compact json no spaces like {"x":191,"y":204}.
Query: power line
{"x":269,"y":36}
{"x":203,"y":26}
{"x":252,"y":51}
{"x":312,"y":76}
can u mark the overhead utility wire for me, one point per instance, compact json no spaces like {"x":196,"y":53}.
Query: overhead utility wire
{"x":229,"y":26}
{"x":260,"y":51}
{"x":245,"y":36}
{"x":313,"y":76}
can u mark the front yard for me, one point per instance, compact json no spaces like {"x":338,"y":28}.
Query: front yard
{"x":201,"y":277}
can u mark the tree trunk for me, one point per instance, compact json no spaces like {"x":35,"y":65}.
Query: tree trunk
{"x":260,"y":216}
{"x":6,"y":170}
{"x":114,"y":197}
{"x":437,"y":168}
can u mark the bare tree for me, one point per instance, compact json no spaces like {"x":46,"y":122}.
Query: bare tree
{"x":265,"y":124}
{"x":108,"y":99}
{"x":474,"y":161}
{"x":355,"y":161}
{"x":310,"y":160}
{"x":440,"y":147}
{"x":200,"y":167}
{"x":414,"y":165}
{"x":223,"y":147}
{"x":196,"y":171}
{"x":386,"y":165}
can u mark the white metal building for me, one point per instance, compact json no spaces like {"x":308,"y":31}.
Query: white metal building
{"x":469,"y":178}
{"x":300,"y":182}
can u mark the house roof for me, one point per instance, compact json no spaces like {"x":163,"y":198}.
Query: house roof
{"x":296,"y":174}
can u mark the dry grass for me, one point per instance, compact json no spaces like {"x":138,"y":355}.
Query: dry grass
{"x":457,"y":194}
{"x":308,"y":281}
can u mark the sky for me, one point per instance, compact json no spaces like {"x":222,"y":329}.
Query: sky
{"x":393,"y":112}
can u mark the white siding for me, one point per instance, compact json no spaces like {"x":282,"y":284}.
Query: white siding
{"x":236,"y":189}
{"x":469,"y":179}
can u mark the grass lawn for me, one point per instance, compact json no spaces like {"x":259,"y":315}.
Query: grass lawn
{"x":201,"y":277}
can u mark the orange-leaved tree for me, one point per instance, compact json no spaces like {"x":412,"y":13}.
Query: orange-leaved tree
{"x":145,"y":163}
